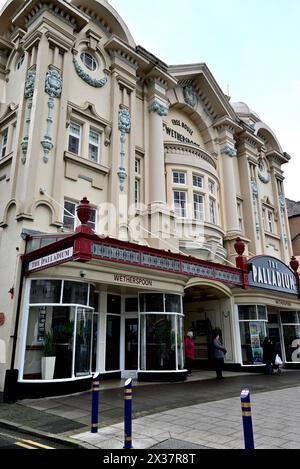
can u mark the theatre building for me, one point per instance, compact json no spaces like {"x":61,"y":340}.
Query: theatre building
{"x":136,"y":202}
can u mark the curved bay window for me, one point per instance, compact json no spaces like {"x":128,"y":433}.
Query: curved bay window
{"x":161,"y":332}
{"x":59,"y":330}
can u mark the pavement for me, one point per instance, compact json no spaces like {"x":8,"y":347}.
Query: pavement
{"x":201,"y":413}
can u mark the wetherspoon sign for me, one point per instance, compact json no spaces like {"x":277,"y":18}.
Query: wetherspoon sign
{"x":272,"y":274}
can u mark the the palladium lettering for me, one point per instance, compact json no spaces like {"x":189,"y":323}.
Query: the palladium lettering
{"x":273,"y":277}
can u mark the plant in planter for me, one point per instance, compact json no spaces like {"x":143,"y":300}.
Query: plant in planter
{"x":48,"y":361}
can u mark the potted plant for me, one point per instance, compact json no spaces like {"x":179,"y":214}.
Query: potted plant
{"x":49,"y":358}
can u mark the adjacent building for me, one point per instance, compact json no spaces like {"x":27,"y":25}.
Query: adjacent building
{"x":182,"y":220}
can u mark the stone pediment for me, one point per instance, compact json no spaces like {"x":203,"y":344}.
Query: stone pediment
{"x":197,"y":77}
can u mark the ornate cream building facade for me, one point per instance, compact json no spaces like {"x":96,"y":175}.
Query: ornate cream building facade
{"x":174,"y":173}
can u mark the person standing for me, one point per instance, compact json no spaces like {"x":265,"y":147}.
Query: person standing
{"x":268,"y":355}
{"x":189,"y":349}
{"x":219,"y":352}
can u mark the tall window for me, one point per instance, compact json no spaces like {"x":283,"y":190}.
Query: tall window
{"x":179,"y":178}
{"x":137,"y":192}
{"x":70,"y":216}
{"x":137,"y":182}
{"x":240,"y":215}
{"x":3,"y":143}
{"x":270,"y":222}
{"x":75,"y":132}
{"x":211,"y":187}
{"x":94,"y":146}
{"x":198,"y":207}
{"x":180,"y":204}
{"x":212,"y":211}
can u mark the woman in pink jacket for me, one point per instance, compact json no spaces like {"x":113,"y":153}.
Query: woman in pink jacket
{"x":189,"y":348}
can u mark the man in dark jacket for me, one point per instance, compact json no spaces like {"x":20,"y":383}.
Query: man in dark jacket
{"x":268,"y":355}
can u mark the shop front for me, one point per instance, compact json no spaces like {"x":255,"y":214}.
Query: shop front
{"x":101,"y":305}
{"x":269,"y":308}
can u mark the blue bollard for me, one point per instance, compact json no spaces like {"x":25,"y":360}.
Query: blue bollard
{"x":95,"y":402}
{"x":247,"y":419}
{"x":128,"y":414}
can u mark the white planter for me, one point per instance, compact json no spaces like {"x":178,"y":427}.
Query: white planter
{"x":48,"y":365}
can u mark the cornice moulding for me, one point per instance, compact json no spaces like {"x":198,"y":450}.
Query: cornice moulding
{"x":36,"y":7}
{"x":181,"y":149}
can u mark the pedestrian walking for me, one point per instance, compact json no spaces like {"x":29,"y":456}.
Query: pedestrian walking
{"x":269,"y":355}
{"x":189,"y":349}
{"x":219,"y":352}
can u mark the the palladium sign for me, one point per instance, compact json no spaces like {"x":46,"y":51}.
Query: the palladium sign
{"x":272,"y":274}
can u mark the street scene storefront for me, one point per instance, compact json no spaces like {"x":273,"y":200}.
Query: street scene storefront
{"x":102,"y":305}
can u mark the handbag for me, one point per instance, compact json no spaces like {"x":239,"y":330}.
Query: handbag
{"x":278,"y":361}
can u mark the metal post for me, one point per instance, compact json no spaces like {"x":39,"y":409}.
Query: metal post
{"x":128,"y":414}
{"x":247,"y":419}
{"x":95,"y":402}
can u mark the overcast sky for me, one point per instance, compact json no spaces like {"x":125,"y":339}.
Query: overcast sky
{"x":251,"y":47}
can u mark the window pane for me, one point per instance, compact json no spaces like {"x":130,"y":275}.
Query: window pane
{"x":179,"y":178}
{"x":49,"y":343}
{"x":252,"y":337}
{"x":93,"y":153}
{"x":113,"y":343}
{"x":113,"y":304}
{"x":180,"y":356}
{"x":75,"y":293}
{"x":247,"y":312}
{"x":290,"y":317}
{"x":131,"y":305}
{"x":173,"y":303}
{"x":197,"y":181}
{"x":158,"y":332}
{"x":198,"y":207}
{"x":262,"y":313}
{"x":152,"y":303}
{"x":69,"y":215}
{"x":180,"y":204}
{"x":45,"y":291}
{"x":83,"y":342}
{"x":88,"y":61}
{"x":292,"y":343}
{"x":73,"y":144}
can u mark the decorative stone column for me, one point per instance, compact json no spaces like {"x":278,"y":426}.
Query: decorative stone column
{"x":157,"y":110}
{"x":53,"y":87}
{"x":226,"y":130}
{"x":28,"y":95}
{"x":124,"y":127}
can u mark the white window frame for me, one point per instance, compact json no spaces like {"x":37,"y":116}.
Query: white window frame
{"x":71,"y":134}
{"x":240,"y":215}
{"x":137,"y":167}
{"x":92,"y":143}
{"x":198,"y":178}
{"x":212,"y":211}
{"x":199,"y":207}
{"x":3,"y":143}
{"x":211,"y":187}
{"x":180,"y":210}
{"x":177,"y":175}
{"x":94,"y":62}
{"x":137,"y":192}
{"x":92,"y":224}
{"x":270,"y":221}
